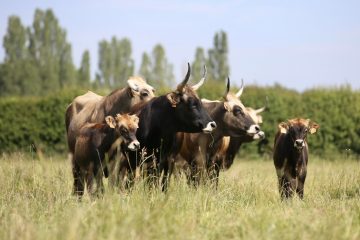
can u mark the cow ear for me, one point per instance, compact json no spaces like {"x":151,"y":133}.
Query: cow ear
{"x":313,"y":126}
{"x":283,"y":127}
{"x":133,"y":85}
{"x":135,"y":119}
{"x":173,"y":98}
{"x":110,"y":121}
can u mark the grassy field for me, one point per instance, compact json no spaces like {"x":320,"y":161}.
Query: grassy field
{"x":36,"y":203}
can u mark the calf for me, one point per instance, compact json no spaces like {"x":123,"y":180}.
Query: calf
{"x":93,"y":142}
{"x":291,"y":155}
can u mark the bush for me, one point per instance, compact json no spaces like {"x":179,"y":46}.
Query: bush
{"x":29,"y":123}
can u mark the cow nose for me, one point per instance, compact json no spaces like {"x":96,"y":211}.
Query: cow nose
{"x":299,"y":142}
{"x":137,"y":145}
{"x":253,"y":129}
{"x":209,"y":127}
{"x":134,"y":145}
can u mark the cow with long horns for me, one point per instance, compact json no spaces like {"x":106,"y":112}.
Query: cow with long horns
{"x":232,"y":119}
{"x":160,"y":120}
{"x":230,"y":146}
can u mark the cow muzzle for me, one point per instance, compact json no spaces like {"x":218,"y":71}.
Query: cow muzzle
{"x":209,"y":127}
{"x":253,"y":130}
{"x":134,"y":145}
{"x":259,"y":135}
{"x":299,"y":144}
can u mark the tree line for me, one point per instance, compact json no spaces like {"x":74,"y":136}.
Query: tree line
{"x":38,"y":60}
{"x":31,"y":124}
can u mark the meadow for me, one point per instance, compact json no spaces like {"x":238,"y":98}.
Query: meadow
{"x":36,"y":203}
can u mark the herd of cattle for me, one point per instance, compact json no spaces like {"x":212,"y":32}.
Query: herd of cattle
{"x":156,"y":133}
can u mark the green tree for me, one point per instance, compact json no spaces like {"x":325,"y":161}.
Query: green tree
{"x":145,"y":67}
{"x":115,"y":62}
{"x":50,"y":51}
{"x":162,"y":73}
{"x":104,"y":63}
{"x":218,"y":58}
{"x":84,"y":70}
{"x":123,"y":62}
{"x":15,"y":50}
{"x":18,"y":73}
{"x":197,"y":68}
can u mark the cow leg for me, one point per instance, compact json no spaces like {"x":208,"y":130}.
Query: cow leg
{"x":285,"y":188}
{"x":113,"y":166}
{"x":300,"y":186}
{"x":78,"y":187}
{"x":164,"y":169}
{"x":194,"y":177}
{"x":214,"y":171}
{"x":217,"y":174}
{"x":89,"y":178}
{"x":98,"y":173}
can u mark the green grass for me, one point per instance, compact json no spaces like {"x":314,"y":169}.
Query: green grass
{"x":36,"y":203}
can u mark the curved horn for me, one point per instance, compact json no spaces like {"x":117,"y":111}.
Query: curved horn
{"x":201,"y":82}
{"x":257,"y":111}
{"x":227,"y":88}
{"x":238,"y":94}
{"x":181,"y":86}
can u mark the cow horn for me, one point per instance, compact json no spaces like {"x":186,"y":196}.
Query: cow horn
{"x":227,"y":88}
{"x":238,"y":94}
{"x":257,"y":111}
{"x":201,"y":82}
{"x":181,"y":86}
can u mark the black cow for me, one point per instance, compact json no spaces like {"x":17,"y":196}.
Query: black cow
{"x":161,"y":118}
{"x":291,"y":155}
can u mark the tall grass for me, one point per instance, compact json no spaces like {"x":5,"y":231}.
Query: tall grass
{"x":36,"y":203}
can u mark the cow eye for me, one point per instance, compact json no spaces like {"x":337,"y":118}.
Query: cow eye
{"x":237,"y":111}
{"x":144,"y":94}
{"x":124,"y":131}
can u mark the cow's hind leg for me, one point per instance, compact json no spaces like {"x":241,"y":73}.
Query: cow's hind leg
{"x":78,"y":187}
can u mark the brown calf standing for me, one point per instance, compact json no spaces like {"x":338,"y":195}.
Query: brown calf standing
{"x":93,"y":142}
{"x":291,"y":155}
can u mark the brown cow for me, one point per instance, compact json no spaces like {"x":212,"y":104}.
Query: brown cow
{"x":224,"y":154}
{"x":92,"y":108}
{"x":232,"y":119}
{"x":93,"y":142}
{"x":291,"y":155}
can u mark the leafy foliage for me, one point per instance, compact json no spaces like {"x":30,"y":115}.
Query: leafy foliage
{"x":40,"y":121}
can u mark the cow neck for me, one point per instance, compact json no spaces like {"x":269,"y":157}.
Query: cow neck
{"x":118,"y":101}
{"x":294,"y":155}
{"x":157,"y":121}
{"x":216,"y":112}
{"x":108,"y":139}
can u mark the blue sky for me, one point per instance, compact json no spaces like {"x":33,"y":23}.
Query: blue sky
{"x":299,"y":44}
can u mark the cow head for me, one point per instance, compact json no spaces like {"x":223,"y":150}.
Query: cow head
{"x":189,"y":111}
{"x":237,"y":117}
{"x":257,"y":118}
{"x":140,"y":90}
{"x":125,"y":125}
{"x":298,"y":129}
